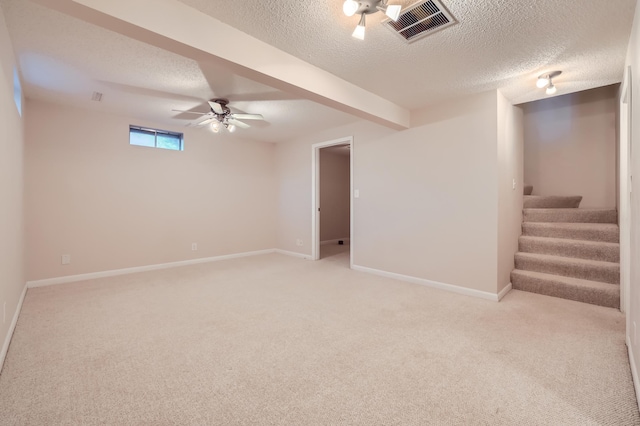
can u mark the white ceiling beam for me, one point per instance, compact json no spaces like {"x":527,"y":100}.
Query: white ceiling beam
{"x":176,"y":27}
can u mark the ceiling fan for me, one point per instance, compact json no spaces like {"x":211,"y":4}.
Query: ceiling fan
{"x":367,"y":7}
{"x":221,"y":116}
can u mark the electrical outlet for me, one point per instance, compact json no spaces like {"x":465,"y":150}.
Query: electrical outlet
{"x":194,"y":246}
{"x":298,"y":242}
{"x":66,"y":259}
{"x":514,"y":184}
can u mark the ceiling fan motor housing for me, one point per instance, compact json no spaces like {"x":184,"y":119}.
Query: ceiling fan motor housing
{"x":223,"y":103}
{"x":368,"y":6}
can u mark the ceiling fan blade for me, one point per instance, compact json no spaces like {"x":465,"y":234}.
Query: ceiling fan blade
{"x":238,"y":123}
{"x":248,"y":116}
{"x":216,"y":107}
{"x":189,"y":112}
{"x":207,"y":121}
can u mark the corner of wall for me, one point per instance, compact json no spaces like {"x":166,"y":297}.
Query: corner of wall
{"x":12,"y":265}
{"x":510,"y":187}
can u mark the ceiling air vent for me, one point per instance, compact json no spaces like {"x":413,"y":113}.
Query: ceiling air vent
{"x":97,"y":97}
{"x":420,"y":20}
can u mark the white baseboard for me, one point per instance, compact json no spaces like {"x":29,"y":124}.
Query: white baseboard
{"x":12,"y":327}
{"x":114,"y":272}
{"x":293,"y":253}
{"x":504,"y":291}
{"x":325,"y":242}
{"x":634,"y":370}
{"x":433,"y":284}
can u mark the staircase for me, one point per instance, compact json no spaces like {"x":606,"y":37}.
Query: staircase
{"x":568,"y":252}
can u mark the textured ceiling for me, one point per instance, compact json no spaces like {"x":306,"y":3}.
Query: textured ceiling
{"x":64,"y":60}
{"x":497,"y":44}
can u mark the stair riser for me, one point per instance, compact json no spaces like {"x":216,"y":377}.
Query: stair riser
{"x":606,"y":236}
{"x":571,"y":215}
{"x":537,"y":202}
{"x":571,"y":249}
{"x":528,"y":189}
{"x":606,"y":274}
{"x":557,"y":289}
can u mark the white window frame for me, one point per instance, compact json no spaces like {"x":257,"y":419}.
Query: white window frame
{"x":156,"y":132}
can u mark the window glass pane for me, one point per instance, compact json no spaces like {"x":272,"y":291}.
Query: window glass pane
{"x":154,"y":138}
{"x":142,"y":138}
{"x":169,"y":141}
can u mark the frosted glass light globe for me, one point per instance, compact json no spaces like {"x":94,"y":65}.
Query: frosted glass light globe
{"x":350,"y":7}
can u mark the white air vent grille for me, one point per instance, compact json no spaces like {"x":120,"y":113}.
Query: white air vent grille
{"x":421,"y":20}
{"x":97,"y":97}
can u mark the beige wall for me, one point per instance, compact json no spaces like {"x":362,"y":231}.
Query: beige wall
{"x":570,"y":146}
{"x":111,"y":205}
{"x":633,"y":59}
{"x":428,"y":203}
{"x":12,"y":278}
{"x":510,"y":198}
{"x":334,"y":194}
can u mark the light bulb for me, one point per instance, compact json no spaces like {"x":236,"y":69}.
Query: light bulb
{"x":231,"y":128}
{"x":542,"y":82}
{"x":215,"y":127}
{"x":393,"y":11}
{"x":359,"y":31}
{"x":349,"y":7}
{"x":551,"y":89}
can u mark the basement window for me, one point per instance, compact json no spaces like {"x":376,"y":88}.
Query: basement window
{"x":155,"y":138}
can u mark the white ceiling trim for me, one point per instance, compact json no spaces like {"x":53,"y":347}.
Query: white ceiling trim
{"x":177,"y":27}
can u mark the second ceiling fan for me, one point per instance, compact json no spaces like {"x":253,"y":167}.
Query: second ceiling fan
{"x":221,"y":117}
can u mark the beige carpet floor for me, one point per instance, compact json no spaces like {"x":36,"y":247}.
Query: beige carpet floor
{"x":279,"y":340}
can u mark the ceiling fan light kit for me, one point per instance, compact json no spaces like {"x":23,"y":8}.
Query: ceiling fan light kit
{"x":366,"y":7}
{"x":546,"y":80}
{"x":392,"y":11}
{"x":221,"y":117}
{"x":359,"y":31}
{"x":350,"y":7}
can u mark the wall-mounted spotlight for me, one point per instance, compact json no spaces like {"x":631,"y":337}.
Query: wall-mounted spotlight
{"x":546,"y":80}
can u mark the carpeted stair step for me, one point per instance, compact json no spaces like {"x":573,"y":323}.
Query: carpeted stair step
{"x":593,"y":250}
{"x":528,"y":189}
{"x":593,"y":292}
{"x":571,"y":215}
{"x":551,"y":202}
{"x":605,"y":232}
{"x":607,"y":272}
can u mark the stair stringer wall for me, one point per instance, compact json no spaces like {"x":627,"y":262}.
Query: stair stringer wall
{"x":633,"y":338}
{"x":570,"y":146}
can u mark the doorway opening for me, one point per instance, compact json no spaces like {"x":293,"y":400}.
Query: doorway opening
{"x":332,"y":201}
